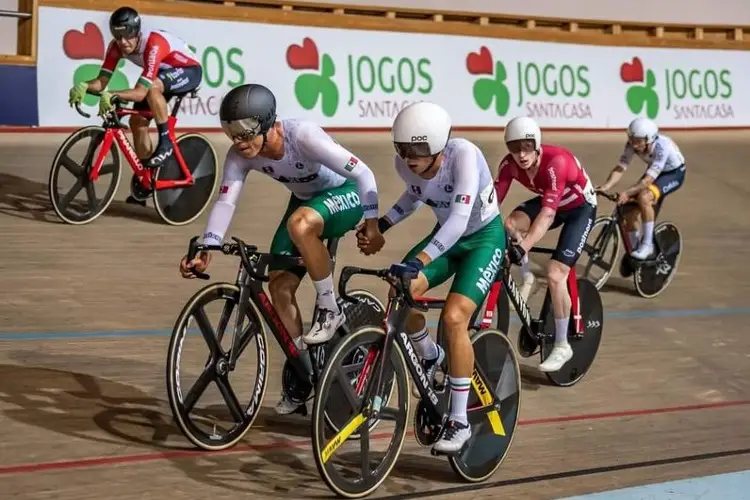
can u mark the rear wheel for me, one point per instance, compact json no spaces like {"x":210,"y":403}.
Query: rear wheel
{"x":69,"y":177}
{"x":180,"y":206}
{"x":653,"y":276}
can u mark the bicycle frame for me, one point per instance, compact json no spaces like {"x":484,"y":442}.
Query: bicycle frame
{"x":115,"y":133}
{"x":521,"y":307}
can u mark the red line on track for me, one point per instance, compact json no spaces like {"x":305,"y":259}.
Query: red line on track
{"x":177,"y":454}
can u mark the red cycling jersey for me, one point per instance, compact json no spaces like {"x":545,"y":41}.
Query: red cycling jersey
{"x":157,"y":50}
{"x":561,"y":180}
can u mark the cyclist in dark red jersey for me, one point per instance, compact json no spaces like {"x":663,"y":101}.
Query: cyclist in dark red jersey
{"x":169,"y":67}
{"x":566,"y":198}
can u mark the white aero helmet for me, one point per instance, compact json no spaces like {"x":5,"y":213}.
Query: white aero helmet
{"x":643,"y":128}
{"x":421,"y":129}
{"x":523,"y":128}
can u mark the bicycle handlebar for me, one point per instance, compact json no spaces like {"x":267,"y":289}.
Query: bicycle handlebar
{"x":402,"y":287}
{"x":82,"y":112}
{"x":240,"y":248}
{"x":613,"y":197}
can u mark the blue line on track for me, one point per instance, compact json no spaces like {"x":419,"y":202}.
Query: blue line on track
{"x":674,"y":313}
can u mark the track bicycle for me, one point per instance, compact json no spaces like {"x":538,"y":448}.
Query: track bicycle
{"x":181,"y":188}
{"x":651,"y":276}
{"x":253,"y":308}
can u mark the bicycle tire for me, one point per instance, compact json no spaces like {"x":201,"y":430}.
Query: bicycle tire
{"x":181,"y":206}
{"x":97,"y":135}
{"x":614,"y":233}
{"x":639,"y":273}
{"x":486,"y":451}
{"x":204,"y":440}
{"x":323,"y":448}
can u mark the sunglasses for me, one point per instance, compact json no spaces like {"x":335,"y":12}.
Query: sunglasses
{"x":412,"y":149}
{"x":242,"y":130}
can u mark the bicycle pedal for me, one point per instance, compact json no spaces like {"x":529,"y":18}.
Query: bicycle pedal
{"x":301,"y":409}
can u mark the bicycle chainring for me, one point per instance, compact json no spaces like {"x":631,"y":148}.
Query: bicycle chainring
{"x":426,"y":431}
{"x":294,"y":388}
{"x":137,"y":191}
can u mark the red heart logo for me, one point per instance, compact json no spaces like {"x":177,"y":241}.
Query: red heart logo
{"x":303,"y":57}
{"x":480,"y":63}
{"x":632,"y":71}
{"x":86,"y":45}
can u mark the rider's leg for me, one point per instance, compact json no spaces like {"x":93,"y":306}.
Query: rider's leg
{"x":141,"y":137}
{"x":517,"y":224}
{"x":158,"y":104}
{"x":575,"y":231}
{"x":328,"y":215}
{"x":646,"y":200}
{"x":476,"y":262}
{"x":631,"y":223}
{"x":282,"y":287}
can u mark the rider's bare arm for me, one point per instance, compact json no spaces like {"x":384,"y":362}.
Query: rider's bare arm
{"x":465,"y":194}
{"x":639,"y":186}
{"x":654,"y":169}
{"x":156,"y":50}
{"x":98,"y":84}
{"x":314,"y":143}
{"x":222,"y":212}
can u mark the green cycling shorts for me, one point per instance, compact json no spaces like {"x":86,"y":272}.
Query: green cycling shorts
{"x":475,"y":261}
{"x":340,"y":208}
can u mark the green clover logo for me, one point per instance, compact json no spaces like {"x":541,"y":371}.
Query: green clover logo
{"x":641,"y":96}
{"x":491,"y":89}
{"x":310,"y":88}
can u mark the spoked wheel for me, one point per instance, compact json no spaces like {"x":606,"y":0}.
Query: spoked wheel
{"x":69,"y":177}
{"x":224,"y":419}
{"x":585,"y":346}
{"x":180,"y":206}
{"x":602,"y":249}
{"x":653,"y":276}
{"x":493,"y":428}
{"x":354,"y":468}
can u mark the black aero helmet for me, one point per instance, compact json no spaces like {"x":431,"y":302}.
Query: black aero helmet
{"x":247,"y":111}
{"x":125,"y":23}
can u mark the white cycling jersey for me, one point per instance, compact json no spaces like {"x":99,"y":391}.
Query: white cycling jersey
{"x":462,"y":195}
{"x":662,"y":155}
{"x":313,"y":163}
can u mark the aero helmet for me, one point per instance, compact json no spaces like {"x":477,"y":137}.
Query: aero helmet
{"x":247,"y":111}
{"x":643,"y":128}
{"x":125,"y":23}
{"x":523,"y":128}
{"x":421,"y":129}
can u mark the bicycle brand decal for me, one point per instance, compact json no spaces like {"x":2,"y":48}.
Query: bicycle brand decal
{"x":255,"y":401}
{"x":518,"y":300}
{"x":426,"y":385}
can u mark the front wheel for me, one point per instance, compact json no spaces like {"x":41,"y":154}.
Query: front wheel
{"x":223,"y":418}
{"x":69,"y":177}
{"x":354,"y":468}
{"x":602,"y":249}
{"x":180,"y":206}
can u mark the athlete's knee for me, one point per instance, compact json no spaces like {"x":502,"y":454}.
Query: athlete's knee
{"x":646,"y":198}
{"x":557,"y":273}
{"x":282,"y":286}
{"x":156,"y":90}
{"x":303,"y":223}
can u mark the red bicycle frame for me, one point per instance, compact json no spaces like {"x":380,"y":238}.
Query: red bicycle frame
{"x":497,"y":286}
{"x":144,"y":175}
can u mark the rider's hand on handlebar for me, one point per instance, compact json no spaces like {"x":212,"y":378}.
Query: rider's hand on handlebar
{"x":77,"y":93}
{"x":107,"y":103}
{"x":409,"y":269}
{"x":516,"y":253}
{"x":199,"y":263}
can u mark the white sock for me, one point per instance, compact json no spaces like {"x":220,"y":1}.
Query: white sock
{"x":326,"y":297}
{"x":526,"y":267}
{"x":561,"y":331}
{"x":648,"y":233}
{"x":635,"y":238}
{"x":423,"y":343}
{"x":459,"y":398}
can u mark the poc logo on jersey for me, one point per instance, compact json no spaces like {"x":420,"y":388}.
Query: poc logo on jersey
{"x":489,"y":273}
{"x":419,"y":138}
{"x":340,"y":202}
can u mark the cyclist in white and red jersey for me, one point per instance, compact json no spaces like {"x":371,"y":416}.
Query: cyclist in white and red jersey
{"x":169,"y":68}
{"x":566,"y":197}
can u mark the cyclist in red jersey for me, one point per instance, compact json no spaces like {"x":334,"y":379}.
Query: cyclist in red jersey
{"x":169,"y":68}
{"x":566,"y":198}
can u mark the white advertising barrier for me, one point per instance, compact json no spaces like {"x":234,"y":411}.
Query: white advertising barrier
{"x":361,"y":79}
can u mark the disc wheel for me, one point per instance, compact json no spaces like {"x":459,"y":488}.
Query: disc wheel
{"x":180,"y":206}
{"x":653,"y":277}
{"x":584,"y":346}
{"x":69,"y":177}
{"x":224,"y":423}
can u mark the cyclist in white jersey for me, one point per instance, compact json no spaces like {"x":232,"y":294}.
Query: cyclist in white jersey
{"x":451,"y":176}
{"x":331,"y":189}
{"x":665,"y":173}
